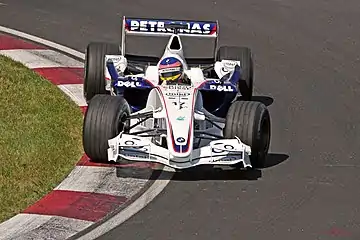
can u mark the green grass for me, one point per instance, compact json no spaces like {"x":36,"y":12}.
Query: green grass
{"x":40,"y":137}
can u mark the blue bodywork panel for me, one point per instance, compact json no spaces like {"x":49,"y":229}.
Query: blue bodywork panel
{"x":226,"y":87}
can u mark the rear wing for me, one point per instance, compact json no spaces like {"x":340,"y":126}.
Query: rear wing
{"x":163,"y":28}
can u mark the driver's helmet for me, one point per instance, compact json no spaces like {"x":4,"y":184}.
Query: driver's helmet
{"x":171,"y":70}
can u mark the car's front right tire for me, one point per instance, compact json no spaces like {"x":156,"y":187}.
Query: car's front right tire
{"x":250,"y":121}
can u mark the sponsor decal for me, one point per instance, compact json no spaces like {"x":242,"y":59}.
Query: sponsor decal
{"x":128,"y":84}
{"x":230,"y":65}
{"x":141,"y":25}
{"x":180,"y":104}
{"x":222,"y":88}
{"x":129,"y":142}
{"x":180,"y":118}
{"x":178,"y":87}
{"x":223,"y":148}
{"x":176,"y":94}
{"x":226,"y":66}
{"x":180,"y":140}
{"x":136,"y":155}
{"x":114,"y":58}
{"x":134,"y":78}
{"x":224,"y":70}
{"x":228,"y":158}
{"x":217,"y":81}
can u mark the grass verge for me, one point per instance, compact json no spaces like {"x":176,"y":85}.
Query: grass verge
{"x":40,"y":137}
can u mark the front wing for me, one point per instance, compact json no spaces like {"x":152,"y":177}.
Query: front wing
{"x":217,"y":152}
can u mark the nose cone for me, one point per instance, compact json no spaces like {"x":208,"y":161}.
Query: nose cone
{"x":180,"y":137}
{"x":179,"y":102}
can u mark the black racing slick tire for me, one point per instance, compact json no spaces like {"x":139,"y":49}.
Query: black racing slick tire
{"x":242,"y":54}
{"x":94,"y":76}
{"x":250,"y":121}
{"x":105,"y":118}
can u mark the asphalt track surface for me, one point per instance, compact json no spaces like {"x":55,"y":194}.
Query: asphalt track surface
{"x":307,"y":71}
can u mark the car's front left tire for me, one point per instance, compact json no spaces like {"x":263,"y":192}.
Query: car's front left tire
{"x":104,"y":119}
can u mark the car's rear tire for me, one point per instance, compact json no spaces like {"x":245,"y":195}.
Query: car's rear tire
{"x":242,"y":54}
{"x":94,"y":76}
{"x":104,"y":119}
{"x":250,"y":121}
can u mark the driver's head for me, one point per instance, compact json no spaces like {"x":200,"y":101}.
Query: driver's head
{"x":171,"y":70}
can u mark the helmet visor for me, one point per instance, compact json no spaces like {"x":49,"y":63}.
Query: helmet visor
{"x":170,"y":74}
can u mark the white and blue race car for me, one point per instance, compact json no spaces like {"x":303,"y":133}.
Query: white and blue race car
{"x":210,"y":120}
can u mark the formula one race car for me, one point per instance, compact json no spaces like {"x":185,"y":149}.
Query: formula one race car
{"x":169,"y":106}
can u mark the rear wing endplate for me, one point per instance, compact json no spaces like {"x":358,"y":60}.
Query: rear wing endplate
{"x":159,"y":27}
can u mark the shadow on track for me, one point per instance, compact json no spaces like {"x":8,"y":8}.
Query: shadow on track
{"x":274,"y":159}
{"x":226,"y":173}
{"x":217,"y":173}
{"x":205,"y":172}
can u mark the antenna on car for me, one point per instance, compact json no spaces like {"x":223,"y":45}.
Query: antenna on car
{"x":176,"y":26}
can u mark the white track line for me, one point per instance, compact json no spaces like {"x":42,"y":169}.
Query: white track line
{"x":155,"y":189}
{"x":43,"y":42}
{"x":75,"y":92}
{"x":41,"y":58}
{"x":20,"y":224}
{"x":34,"y":226}
{"x":101,"y":180}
